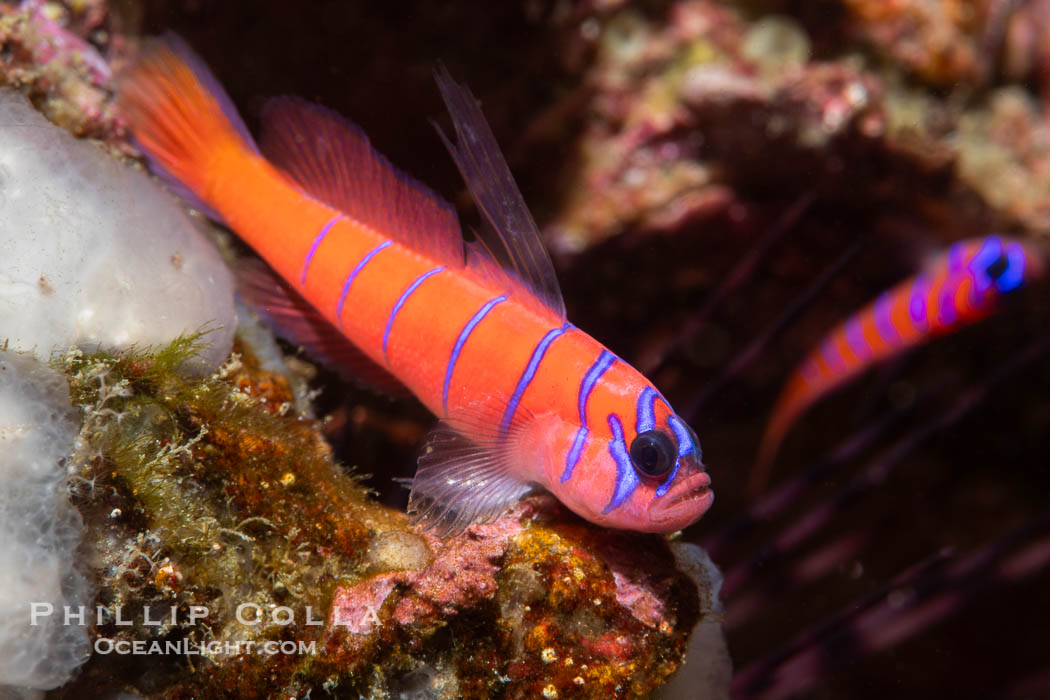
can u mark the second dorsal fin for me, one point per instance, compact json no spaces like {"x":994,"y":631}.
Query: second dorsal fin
{"x":333,"y":161}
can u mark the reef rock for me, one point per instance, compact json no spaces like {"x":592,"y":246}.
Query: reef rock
{"x":212,"y":495}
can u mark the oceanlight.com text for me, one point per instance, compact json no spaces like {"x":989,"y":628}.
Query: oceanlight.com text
{"x":104,"y":645}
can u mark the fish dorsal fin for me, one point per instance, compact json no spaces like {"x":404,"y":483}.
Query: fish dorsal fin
{"x":333,"y":161}
{"x":508,"y":233}
{"x":297,"y":321}
{"x":471,"y":471}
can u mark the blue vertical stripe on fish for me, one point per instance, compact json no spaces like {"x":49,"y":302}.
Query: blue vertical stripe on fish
{"x":313,"y":248}
{"x":403,"y":298}
{"x":354,"y":273}
{"x":461,"y":341}
{"x":604,"y":362}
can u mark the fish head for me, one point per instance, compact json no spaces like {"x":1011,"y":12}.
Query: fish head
{"x":1025,"y":263}
{"x":635,"y":464}
{"x":1000,"y":264}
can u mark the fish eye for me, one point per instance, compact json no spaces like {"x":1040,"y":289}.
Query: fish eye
{"x":997,"y":267}
{"x":652,"y":453}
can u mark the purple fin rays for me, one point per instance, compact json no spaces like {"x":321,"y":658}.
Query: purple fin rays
{"x":334,"y":162}
{"x":508,"y":232}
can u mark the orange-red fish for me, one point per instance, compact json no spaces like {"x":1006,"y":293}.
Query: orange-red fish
{"x":960,"y":287}
{"x":377,"y":278}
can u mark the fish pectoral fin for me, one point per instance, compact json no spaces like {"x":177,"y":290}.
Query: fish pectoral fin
{"x":472,"y":471}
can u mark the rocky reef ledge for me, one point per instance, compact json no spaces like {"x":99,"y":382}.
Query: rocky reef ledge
{"x":219,"y":526}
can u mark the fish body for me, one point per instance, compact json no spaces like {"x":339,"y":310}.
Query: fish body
{"x":959,"y":287}
{"x":376,"y":278}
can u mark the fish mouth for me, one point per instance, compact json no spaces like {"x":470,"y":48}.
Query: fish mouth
{"x":686,"y":501}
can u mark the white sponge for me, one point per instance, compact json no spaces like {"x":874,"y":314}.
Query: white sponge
{"x":707,"y":669}
{"x":41,"y":529}
{"x":93,"y":254}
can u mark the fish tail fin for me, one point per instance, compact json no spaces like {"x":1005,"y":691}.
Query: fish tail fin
{"x":794,"y":400}
{"x":180,"y":116}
